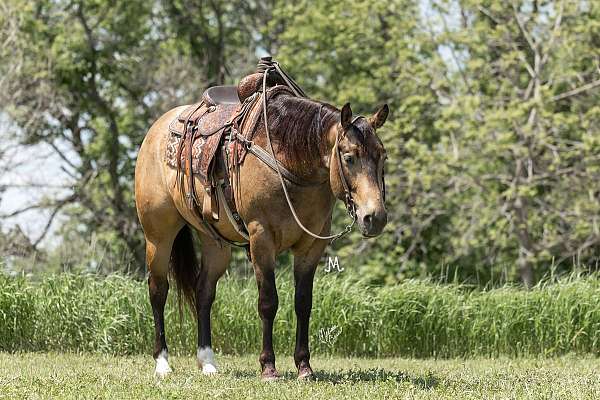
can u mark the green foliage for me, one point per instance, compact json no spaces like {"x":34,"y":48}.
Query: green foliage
{"x":493,"y":109}
{"x":414,"y":319}
{"x":370,"y":53}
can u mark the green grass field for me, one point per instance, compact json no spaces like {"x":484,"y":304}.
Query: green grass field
{"x":69,"y":336}
{"x":112,"y":315}
{"x":50,"y":375}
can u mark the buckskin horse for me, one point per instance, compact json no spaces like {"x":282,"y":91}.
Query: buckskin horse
{"x":261,"y":166}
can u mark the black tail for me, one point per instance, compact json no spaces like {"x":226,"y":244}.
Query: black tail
{"x":185,"y":267}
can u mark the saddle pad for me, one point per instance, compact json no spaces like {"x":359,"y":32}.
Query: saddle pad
{"x":173,"y":145}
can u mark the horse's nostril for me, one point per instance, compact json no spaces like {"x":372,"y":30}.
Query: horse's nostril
{"x":368,"y":220}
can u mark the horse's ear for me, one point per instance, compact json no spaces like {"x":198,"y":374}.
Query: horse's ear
{"x":378,"y":119}
{"x":346,"y":116}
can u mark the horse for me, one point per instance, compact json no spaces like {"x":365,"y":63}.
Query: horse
{"x":313,"y":140}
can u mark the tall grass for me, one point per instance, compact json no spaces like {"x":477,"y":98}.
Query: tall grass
{"x":418,"y":319}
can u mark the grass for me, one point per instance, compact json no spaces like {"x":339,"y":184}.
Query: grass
{"x":112,"y":315}
{"x":56,"y":376}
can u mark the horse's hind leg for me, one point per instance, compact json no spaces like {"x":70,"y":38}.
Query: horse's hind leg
{"x":215,"y":259}
{"x":157,"y":258}
{"x":160,"y":230}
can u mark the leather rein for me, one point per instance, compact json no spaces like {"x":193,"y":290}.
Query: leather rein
{"x":348,"y":200}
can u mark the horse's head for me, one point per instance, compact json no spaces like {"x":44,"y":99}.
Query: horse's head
{"x":356,"y":168}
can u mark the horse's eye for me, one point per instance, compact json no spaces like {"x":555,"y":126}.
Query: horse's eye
{"x":349,"y":159}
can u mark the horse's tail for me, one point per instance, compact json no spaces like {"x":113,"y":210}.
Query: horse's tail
{"x":185,"y":267}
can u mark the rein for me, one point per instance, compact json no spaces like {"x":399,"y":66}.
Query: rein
{"x":348,"y":200}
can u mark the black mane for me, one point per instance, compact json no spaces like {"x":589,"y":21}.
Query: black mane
{"x":297,"y":125}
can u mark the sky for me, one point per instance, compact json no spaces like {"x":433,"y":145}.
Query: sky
{"x":31,"y":166}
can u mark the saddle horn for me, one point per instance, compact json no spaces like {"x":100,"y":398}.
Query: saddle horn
{"x":252,"y":83}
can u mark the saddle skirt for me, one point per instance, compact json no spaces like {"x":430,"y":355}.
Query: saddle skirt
{"x":210,"y":123}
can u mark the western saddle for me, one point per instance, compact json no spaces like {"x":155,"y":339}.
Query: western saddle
{"x":209,"y":139}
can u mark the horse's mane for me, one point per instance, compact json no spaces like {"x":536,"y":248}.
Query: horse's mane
{"x":298,"y":129}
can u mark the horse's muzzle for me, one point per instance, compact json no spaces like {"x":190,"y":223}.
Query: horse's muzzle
{"x":372,"y":223}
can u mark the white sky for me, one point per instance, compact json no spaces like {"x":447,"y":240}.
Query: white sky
{"x":32,"y":165}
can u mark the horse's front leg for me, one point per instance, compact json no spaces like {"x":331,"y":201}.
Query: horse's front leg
{"x":215,"y":259}
{"x":263,"y":258}
{"x":305,"y":265}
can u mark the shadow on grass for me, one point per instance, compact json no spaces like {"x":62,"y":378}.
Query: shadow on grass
{"x":425,"y":382}
{"x":375,"y":375}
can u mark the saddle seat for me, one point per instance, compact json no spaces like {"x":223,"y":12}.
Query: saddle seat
{"x":218,"y":95}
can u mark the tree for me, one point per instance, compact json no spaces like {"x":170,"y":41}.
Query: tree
{"x":219,"y":36}
{"x":89,"y":77}
{"x":370,"y":53}
{"x":493,"y":138}
{"x":75,"y":81}
{"x":521,"y":116}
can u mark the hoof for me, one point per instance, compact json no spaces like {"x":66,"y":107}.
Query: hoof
{"x":163,"y":373}
{"x":269,"y":374}
{"x":305,"y":373}
{"x":162,"y":366}
{"x":162,"y":370}
{"x":206,"y":361}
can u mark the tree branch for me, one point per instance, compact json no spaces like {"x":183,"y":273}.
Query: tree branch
{"x":61,"y":154}
{"x":526,"y":35}
{"x":554,"y":33}
{"x":53,"y":215}
{"x":576,"y":91}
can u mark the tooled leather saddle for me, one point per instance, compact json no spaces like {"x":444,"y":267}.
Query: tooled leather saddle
{"x":205,"y":143}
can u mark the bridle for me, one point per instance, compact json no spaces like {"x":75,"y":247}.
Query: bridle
{"x":348,"y":200}
{"x":273,"y":66}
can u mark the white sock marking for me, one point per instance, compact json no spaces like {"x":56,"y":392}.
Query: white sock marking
{"x":162,"y":365}
{"x":206,"y":360}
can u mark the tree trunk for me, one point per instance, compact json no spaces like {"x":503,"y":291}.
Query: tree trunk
{"x":525,"y":269}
